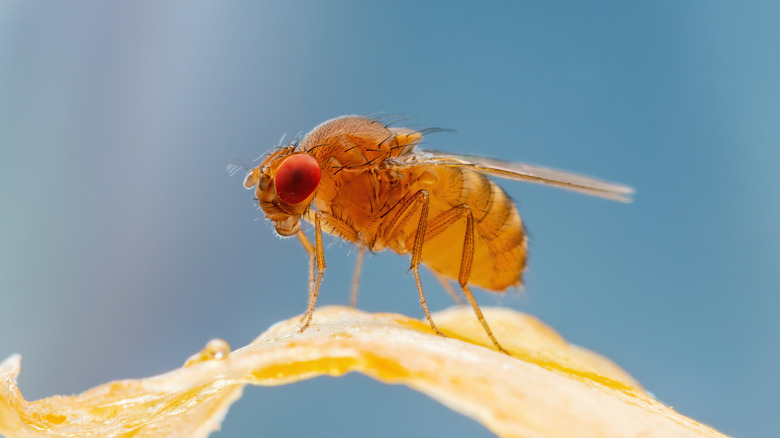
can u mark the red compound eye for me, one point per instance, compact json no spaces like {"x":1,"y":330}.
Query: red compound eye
{"x":297,"y":178}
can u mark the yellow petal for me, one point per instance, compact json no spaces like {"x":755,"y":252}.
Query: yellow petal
{"x":549,"y":388}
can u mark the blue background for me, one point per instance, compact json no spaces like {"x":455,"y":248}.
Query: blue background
{"x":125,"y":246}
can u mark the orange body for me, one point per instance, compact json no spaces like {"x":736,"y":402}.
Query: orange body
{"x":362,"y":190}
{"x":367,"y":183}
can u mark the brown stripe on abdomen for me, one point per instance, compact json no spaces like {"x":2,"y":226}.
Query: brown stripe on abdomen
{"x":499,"y":227}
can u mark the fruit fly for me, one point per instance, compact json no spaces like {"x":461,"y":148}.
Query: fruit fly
{"x":368,"y":183}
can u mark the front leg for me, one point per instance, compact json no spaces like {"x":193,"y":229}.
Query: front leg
{"x":310,"y":250}
{"x":317,"y":254}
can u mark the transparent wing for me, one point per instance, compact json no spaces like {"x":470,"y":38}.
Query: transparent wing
{"x":525,"y":172}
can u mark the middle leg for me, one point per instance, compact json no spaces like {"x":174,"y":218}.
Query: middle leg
{"x":418,"y":201}
{"x":444,"y":221}
{"x":356,"y":276}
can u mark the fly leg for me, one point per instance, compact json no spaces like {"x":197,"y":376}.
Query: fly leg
{"x":312,"y":259}
{"x":439,"y":224}
{"x":356,"y":277}
{"x":317,"y":254}
{"x":436,"y":225}
{"x":418,"y":201}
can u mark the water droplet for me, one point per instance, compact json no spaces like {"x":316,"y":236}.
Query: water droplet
{"x":216,"y":349}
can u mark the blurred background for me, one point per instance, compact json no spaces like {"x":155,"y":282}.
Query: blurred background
{"x":125,"y":245}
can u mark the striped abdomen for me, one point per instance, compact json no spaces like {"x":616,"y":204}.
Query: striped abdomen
{"x":499,"y":237}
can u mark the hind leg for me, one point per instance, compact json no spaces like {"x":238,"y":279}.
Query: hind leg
{"x":427,"y":230}
{"x":439,"y":224}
